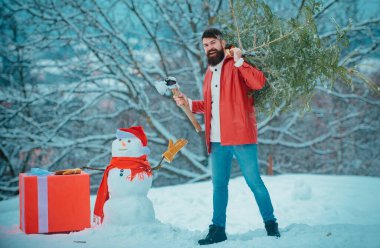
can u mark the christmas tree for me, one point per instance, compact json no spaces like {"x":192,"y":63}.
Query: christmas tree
{"x":290,"y":52}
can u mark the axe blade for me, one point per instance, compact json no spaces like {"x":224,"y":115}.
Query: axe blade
{"x":162,"y":88}
{"x":171,"y":83}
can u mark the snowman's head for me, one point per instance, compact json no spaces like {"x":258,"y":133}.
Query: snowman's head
{"x":130,"y":142}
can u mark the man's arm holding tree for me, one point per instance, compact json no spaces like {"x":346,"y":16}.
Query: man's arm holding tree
{"x":252,"y":77}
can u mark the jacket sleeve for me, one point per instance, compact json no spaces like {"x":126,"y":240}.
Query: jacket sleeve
{"x":198,"y":106}
{"x":252,"y":77}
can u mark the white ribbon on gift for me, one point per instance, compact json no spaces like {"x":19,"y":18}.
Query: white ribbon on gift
{"x":23,"y":204}
{"x":42,"y":201}
{"x":43,"y":217}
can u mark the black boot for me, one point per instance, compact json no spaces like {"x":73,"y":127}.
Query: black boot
{"x":215,"y":234}
{"x":272,"y":228}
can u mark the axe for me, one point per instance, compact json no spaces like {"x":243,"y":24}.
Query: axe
{"x":170,"y":83}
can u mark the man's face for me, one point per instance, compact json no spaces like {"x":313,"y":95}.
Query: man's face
{"x":214,"y":49}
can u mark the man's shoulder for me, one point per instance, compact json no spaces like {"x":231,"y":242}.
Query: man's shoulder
{"x":229,"y":60}
{"x":229,"y":63}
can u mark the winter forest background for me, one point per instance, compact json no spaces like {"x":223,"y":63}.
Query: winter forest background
{"x":72,"y":72}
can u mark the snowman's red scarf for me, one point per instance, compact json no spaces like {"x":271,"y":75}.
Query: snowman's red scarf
{"x":138,"y":167}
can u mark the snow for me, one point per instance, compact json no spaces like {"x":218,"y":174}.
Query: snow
{"x":312,"y":211}
{"x":369,"y":66}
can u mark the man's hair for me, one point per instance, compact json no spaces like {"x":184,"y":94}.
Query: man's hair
{"x":212,"y":33}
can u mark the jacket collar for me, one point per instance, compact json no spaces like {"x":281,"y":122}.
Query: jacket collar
{"x":221,"y":63}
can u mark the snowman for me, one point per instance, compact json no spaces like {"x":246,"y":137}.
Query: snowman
{"x":122,"y":195}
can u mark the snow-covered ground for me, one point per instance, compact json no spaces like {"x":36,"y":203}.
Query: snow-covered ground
{"x":312,"y":211}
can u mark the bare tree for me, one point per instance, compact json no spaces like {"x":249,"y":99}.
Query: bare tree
{"x":72,"y":72}
{"x":93,"y":65}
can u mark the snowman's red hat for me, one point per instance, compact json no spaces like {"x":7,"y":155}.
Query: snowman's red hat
{"x":137,"y":131}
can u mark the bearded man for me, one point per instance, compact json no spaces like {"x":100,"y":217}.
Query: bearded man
{"x":231,"y":129}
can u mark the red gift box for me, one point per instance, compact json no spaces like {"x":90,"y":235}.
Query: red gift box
{"x":54,"y":203}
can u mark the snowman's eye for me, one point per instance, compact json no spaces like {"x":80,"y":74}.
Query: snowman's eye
{"x":129,"y":141}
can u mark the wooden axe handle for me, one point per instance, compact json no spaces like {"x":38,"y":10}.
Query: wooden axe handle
{"x":188,"y":112}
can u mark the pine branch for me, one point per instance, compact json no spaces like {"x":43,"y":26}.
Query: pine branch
{"x":236,"y":24}
{"x":283,"y":37}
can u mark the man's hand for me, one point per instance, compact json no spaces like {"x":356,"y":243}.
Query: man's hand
{"x":236,"y":52}
{"x":181,"y":100}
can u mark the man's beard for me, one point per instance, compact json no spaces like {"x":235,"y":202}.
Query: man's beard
{"x":215,"y":58}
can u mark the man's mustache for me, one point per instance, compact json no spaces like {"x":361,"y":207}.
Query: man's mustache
{"x":213,"y":50}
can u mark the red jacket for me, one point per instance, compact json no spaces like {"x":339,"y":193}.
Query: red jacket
{"x":237,"y":114}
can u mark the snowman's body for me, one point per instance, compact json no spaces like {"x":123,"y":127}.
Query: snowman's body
{"x":128,"y":203}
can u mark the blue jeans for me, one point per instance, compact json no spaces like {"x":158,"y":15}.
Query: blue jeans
{"x":221,"y":159}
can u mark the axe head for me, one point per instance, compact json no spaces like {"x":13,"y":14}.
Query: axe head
{"x":164,"y":87}
{"x":171,"y":82}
